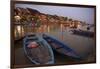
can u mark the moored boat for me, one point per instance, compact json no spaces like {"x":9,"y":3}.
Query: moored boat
{"x":83,"y":33}
{"x":37,"y":50}
{"x":60,"y":47}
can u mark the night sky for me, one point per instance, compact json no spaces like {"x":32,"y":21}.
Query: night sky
{"x":76,"y":13}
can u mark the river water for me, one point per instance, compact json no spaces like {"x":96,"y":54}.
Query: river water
{"x":84,"y":46}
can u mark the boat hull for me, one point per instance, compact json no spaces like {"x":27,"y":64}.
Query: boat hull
{"x":41,"y":54}
{"x":83,"y":33}
{"x":60,"y":47}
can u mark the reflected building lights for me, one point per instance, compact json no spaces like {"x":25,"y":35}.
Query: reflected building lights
{"x":48,"y":29}
{"x":18,"y":32}
{"x":19,"y":29}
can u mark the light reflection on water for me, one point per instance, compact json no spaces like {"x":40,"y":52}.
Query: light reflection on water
{"x":84,"y":46}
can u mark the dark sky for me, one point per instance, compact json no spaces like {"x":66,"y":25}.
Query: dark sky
{"x":77,"y":13}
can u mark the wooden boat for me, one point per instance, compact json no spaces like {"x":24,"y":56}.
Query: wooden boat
{"x":38,"y":50}
{"x":83,"y":33}
{"x":60,"y":47}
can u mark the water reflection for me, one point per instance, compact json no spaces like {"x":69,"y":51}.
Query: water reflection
{"x":18,"y":32}
{"x":82,"y":45}
{"x":62,"y":30}
{"x":52,"y":29}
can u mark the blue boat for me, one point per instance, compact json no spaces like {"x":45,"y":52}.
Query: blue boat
{"x":38,"y":50}
{"x":60,"y":47}
{"x":83,"y":33}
